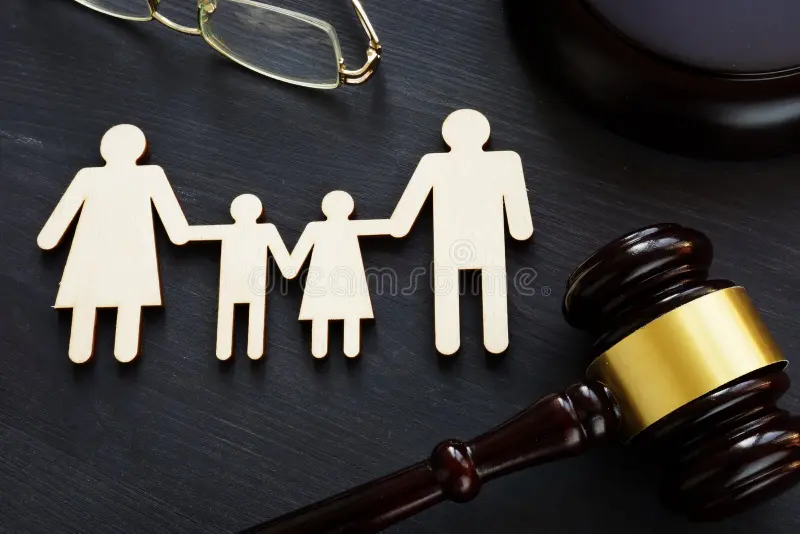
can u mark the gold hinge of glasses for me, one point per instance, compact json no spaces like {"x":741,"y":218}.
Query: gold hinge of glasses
{"x":359,"y":76}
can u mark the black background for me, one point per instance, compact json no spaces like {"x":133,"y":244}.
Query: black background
{"x":179,"y":442}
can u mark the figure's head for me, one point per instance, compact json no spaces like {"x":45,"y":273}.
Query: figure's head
{"x":246,"y":208}
{"x":124,"y":143}
{"x":466,"y":128}
{"x":337,"y":205}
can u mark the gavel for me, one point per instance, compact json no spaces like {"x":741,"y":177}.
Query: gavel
{"x":682,"y":365}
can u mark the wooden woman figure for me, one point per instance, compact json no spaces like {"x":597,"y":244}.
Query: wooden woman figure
{"x":336,"y":285}
{"x":243,"y":271}
{"x":112,"y":262}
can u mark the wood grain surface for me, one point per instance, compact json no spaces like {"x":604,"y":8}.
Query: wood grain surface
{"x":179,"y":442}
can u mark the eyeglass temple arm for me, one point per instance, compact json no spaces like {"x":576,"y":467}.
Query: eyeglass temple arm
{"x":359,"y":76}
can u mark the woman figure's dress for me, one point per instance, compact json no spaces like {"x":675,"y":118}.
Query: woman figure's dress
{"x":112,"y":261}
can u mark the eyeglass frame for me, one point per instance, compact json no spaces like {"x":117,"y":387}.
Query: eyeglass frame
{"x":346,"y":76}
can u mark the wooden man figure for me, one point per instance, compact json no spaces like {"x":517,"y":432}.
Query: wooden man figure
{"x":112,"y":262}
{"x":243,"y":271}
{"x":470,"y":189}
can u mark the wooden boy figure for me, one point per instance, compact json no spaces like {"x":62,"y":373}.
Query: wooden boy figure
{"x":243,"y":271}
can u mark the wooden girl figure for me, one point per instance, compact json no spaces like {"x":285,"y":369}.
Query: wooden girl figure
{"x":112,"y":262}
{"x":336,"y":286}
{"x":243,"y":271}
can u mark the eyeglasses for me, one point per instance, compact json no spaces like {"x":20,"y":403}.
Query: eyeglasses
{"x":282,"y":44}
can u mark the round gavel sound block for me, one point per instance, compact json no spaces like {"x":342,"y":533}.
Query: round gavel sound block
{"x":716,"y":78}
{"x":682,"y":366}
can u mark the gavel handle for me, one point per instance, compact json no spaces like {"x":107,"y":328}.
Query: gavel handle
{"x":557,"y":426}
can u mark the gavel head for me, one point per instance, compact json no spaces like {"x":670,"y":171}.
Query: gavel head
{"x":692,"y":367}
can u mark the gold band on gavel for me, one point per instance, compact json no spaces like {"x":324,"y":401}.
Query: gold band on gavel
{"x":684,"y":354}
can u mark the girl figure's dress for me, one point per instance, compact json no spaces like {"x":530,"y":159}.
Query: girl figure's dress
{"x":336,"y":285}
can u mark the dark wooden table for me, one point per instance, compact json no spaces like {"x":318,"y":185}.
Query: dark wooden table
{"x":179,"y":442}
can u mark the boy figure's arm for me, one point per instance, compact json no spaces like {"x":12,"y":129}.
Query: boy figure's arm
{"x":210,"y":232}
{"x":276,"y":246}
{"x":303,"y":247}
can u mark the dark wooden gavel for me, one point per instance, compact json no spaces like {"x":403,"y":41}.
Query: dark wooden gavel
{"x":682,"y":365}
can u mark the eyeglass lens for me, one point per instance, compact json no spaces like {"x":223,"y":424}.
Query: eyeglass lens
{"x":126,"y":9}
{"x":276,"y":42}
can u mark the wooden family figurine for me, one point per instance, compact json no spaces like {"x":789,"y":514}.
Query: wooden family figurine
{"x":112,"y":263}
